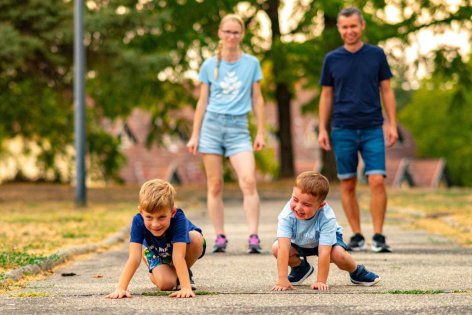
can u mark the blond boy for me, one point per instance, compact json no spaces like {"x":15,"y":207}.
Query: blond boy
{"x":307,"y":226}
{"x":172,"y":244}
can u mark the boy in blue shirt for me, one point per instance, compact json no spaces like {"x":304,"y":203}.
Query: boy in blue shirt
{"x":172,"y":244}
{"x":307,"y":226}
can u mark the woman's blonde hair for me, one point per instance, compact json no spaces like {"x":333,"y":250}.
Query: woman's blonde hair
{"x":156,"y":195}
{"x":219,"y":48}
{"x":314,"y":184}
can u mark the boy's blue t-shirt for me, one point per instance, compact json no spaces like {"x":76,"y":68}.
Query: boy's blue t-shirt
{"x":319,"y":230}
{"x":177,"y":232}
{"x":232,"y":92}
{"x":355,"y":78}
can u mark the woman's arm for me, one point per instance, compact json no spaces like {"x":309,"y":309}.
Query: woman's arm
{"x":198,"y":118}
{"x":258,"y":104}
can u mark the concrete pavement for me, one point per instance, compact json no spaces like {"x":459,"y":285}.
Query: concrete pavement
{"x":426,"y":274}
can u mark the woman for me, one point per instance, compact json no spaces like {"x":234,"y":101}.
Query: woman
{"x":230,"y":87}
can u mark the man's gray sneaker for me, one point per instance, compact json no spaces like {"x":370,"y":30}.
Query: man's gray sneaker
{"x":379,"y":245}
{"x":357,"y":243}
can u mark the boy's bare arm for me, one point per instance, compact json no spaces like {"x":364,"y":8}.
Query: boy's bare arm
{"x":324,"y":258}
{"x":134,"y":259}
{"x":178,"y":259}
{"x":282,"y":265}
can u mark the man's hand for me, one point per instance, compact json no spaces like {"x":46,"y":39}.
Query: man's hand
{"x":392,"y":136}
{"x":320,"y":286}
{"x":283,"y":285}
{"x":118,"y":294}
{"x":183,"y":293}
{"x":323,"y":140}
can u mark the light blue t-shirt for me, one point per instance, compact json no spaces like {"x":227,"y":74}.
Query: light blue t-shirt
{"x":232,"y":92}
{"x":319,"y":230}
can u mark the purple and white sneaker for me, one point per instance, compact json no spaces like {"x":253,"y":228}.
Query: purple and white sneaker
{"x":254,"y":244}
{"x":220,"y":244}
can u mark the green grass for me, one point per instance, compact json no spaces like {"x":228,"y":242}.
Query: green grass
{"x":415,"y":291}
{"x":10,"y":260}
{"x":33,"y":294}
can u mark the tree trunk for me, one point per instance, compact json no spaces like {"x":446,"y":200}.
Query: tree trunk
{"x":283,"y":96}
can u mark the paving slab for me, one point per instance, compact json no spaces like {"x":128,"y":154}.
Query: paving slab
{"x":426,"y":274}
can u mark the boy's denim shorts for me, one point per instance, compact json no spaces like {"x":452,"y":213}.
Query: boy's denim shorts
{"x":154,"y":260}
{"x":303,"y":252}
{"x":348,"y":142}
{"x":224,"y":134}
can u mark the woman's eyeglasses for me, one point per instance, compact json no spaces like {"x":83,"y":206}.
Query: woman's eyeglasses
{"x":231,"y":33}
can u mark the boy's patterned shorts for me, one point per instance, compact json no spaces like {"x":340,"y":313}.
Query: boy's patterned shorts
{"x":154,"y":260}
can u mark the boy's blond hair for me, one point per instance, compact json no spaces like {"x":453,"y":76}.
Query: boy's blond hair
{"x":314,"y":184}
{"x":156,"y":195}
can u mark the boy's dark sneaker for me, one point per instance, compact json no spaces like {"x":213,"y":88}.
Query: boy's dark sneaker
{"x":220,"y":244}
{"x":192,"y":283}
{"x":379,"y":245}
{"x":357,"y":243}
{"x":254,"y":244}
{"x":299,"y":273}
{"x":362,"y":276}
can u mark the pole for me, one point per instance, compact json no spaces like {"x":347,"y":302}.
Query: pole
{"x":79,"y":103}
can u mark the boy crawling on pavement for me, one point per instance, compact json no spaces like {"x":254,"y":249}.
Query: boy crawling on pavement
{"x":171,"y":243}
{"x":307,"y":226}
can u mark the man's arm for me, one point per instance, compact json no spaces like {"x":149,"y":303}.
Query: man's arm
{"x":178,"y":259}
{"x":258,"y":104}
{"x":388,"y":99}
{"x":134,"y":259}
{"x":326,"y":104}
{"x":324,"y":258}
{"x":282,"y":265}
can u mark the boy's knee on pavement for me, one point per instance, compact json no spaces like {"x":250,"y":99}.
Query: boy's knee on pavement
{"x":165,"y":280}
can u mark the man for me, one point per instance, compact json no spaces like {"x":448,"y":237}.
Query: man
{"x":354,"y":78}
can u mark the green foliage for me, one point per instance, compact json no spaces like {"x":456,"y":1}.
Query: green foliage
{"x":441,"y":125}
{"x":140,"y":52}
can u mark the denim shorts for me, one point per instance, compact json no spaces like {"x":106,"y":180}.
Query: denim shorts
{"x":224,"y":134}
{"x":348,"y":142}
{"x":303,"y":252}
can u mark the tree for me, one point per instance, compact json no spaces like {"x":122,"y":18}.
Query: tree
{"x":139,"y":54}
{"x":440,"y":119}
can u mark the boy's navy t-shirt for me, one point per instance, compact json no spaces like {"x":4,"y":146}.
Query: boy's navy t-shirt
{"x":177,"y":232}
{"x":355,"y":78}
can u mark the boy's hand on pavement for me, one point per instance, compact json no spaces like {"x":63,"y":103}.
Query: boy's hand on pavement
{"x":282,"y":285}
{"x":183,"y":293}
{"x":118,"y":294}
{"x":320,"y":286}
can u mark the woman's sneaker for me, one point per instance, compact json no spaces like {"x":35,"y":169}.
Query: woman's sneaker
{"x":220,"y":244}
{"x":379,"y":245}
{"x":357,"y":243}
{"x":299,"y":273}
{"x":362,"y":276}
{"x":254,"y":244}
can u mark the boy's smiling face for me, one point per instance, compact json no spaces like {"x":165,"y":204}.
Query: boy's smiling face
{"x":158,"y":222}
{"x":304,"y":206}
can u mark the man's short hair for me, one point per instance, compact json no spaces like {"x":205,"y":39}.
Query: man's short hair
{"x":156,"y":195}
{"x":347,"y":12}
{"x":314,"y":184}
